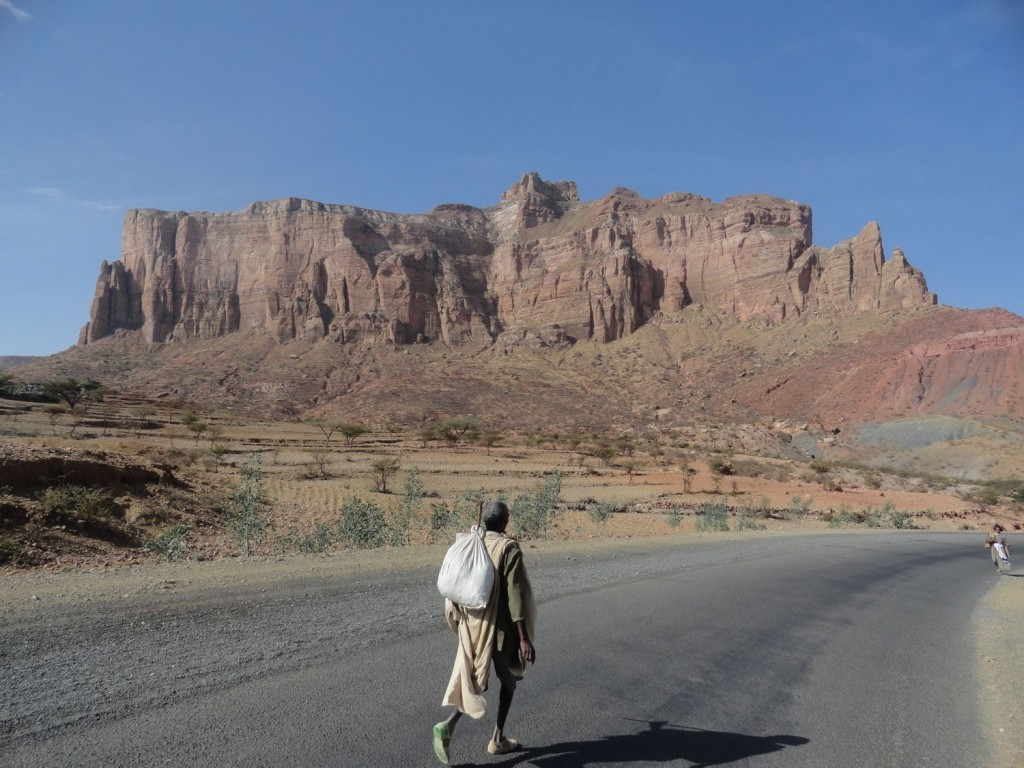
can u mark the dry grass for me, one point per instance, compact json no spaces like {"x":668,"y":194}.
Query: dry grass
{"x":308,"y":478}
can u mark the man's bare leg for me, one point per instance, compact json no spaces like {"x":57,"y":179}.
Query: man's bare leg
{"x":504,"y":703}
{"x":453,"y":719}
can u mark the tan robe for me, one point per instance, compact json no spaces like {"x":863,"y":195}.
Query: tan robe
{"x":476,"y":629}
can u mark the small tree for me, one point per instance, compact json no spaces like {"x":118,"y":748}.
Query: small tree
{"x":459,"y":428}
{"x":630,"y":466}
{"x":53,"y":414}
{"x":426,"y":435}
{"x":604,"y":452}
{"x":249,"y":522}
{"x":71,"y":392}
{"x":352,"y":431}
{"x":412,"y":498}
{"x":489,"y":438}
{"x":383,"y":470}
{"x":6,"y":384}
{"x":328,"y":428}
{"x":141,"y":414}
{"x":197,"y":428}
{"x":321,"y":460}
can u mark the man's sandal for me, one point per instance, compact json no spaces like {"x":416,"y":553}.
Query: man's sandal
{"x":442,"y":738}
{"x":502,"y":747}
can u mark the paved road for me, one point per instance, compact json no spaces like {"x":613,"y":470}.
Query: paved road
{"x":825,"y":651}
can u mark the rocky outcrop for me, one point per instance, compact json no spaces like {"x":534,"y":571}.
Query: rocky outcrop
{"x":540,"y":258}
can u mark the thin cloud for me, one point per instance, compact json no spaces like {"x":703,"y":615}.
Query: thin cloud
{"x":62,"y":196}
{"x":51,"y":192}
{"x":96,"y":205}
{"x":17,"y":13}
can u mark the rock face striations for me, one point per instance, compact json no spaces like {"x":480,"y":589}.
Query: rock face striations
{"x":538,"y":260}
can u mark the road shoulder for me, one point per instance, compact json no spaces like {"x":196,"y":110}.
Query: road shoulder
{"x":998,"y":622}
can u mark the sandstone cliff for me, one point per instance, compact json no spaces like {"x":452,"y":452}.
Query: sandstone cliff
{"x":540,"y":258}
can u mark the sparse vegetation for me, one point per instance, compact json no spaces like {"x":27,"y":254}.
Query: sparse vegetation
{"x":172,"y":544}
{"x":712,"y":516}
{"x":799,"y":506}
{"x":600,"y":513}
{"x":317,"y":541}
{"x":73,"y":504}
{"x":408,"y":510}
{"x":459,"y":428}
{"x":362,"y":525}
{"x":747,"y":523}
{"x":533,"y":514}
{"x":249,"y":521}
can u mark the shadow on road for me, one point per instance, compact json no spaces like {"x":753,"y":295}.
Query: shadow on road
{"x":662,"y":742}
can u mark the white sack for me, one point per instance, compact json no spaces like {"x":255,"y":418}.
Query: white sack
{"x":467,"y":573}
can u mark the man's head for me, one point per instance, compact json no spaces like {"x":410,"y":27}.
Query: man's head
{"x":997,"y":528}
{"x":496,"y":516}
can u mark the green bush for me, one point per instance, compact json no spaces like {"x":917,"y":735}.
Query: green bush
{"x":248,"y":518}
{"x":720,"y":467}
{"x":712,"y":516}
{"x":533,"y":514}
{"x":10,"y":551}
{"x":67,"y":504}
{"x":315,"y":542}
{"x":747,"y":523}
{"x":675,"y":516}
{"x":444,"y":519}
{"x":599,"y":513}
{"x":172,"y":544}
{"x":798,"y":507}
{"x":361,"y":524}
{"x":844,"y":516}
{"x":889,"y":517}
{"x":408,"y":510}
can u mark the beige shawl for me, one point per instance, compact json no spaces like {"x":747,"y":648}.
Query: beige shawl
{"x":476,"y":630}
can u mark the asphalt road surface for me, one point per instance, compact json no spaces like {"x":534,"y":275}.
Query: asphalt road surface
{"x":826,"y":651}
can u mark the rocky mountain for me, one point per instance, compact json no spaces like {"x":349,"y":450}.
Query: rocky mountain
{"x":718,"y":324}
{"x":13,"y":361}
{"x":540,"y":261}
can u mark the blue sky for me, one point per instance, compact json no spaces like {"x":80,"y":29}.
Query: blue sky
{"x":907,"y":113}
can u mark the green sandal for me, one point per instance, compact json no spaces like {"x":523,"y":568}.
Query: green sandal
{"x":442,"y":738}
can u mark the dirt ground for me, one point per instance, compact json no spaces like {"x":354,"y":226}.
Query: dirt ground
{"x":1001,"y":668}
{"x":654,"y":491}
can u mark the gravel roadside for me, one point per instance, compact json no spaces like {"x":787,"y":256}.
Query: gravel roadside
{"x":80,"y":647}
{"x":999,"y":620}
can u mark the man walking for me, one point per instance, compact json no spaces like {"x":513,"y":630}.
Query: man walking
{"x":500,"y":634}
{"x":1000,"y":549}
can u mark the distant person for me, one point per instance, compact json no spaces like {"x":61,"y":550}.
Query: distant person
{"x":1000,"y":549}
{"x":500,"y":634}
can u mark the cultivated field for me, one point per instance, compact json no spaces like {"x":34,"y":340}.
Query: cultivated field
{"x":410,"y":486}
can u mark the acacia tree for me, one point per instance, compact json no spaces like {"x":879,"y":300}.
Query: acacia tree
{"x":351,"y":431}
{"x":383,"y":470}
{"x":489,"y":438}
{"x":6,"y":384}
{"x":328,"y":428}
{"x":71,"y":392}
{"x":456,"y":429}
